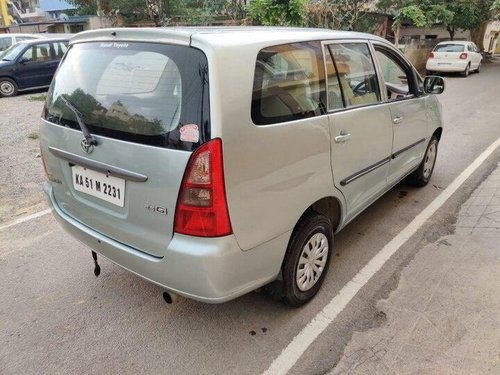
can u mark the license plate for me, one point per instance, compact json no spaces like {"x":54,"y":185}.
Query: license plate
{"x":108,"y":188}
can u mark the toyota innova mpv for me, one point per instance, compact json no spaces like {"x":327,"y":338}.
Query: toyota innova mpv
{"x":214,"y":161}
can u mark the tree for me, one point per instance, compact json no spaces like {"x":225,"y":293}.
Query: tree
{"x":341,"y":14}
{"x":454,"y":15}
{"x":278,"y":12}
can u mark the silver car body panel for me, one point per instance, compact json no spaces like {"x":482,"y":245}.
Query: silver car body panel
{"x":273,"y":173}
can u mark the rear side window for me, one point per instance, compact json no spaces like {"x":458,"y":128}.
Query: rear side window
{"x":140,"y":92}
{"x":288,"y":83}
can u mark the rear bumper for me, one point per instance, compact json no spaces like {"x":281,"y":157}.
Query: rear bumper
{"x":212,"y":270}
{"x":436,"y":65}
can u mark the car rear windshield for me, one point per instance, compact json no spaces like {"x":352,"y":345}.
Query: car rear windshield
{"x":139,"y":92}
{"x":449,"y":48}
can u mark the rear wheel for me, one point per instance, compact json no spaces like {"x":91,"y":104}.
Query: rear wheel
{"x":7,"y":87}
{"x":307,"y":259}
{"x":424,"y":171}
{"x":466,"y":72}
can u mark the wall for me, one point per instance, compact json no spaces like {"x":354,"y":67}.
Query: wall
{"x":417,"y":51}
{"x":437,"y":31}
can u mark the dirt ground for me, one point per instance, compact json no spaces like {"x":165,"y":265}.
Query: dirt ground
{"x":20,"y":193}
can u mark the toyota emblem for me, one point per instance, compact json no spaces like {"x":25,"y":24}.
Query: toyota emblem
{"x":87,"y":146}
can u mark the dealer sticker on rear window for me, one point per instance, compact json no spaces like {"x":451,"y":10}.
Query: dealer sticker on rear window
{"x":190,"y":133}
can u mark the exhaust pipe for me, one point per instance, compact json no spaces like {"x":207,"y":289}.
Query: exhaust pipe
{"x":170,"y":297}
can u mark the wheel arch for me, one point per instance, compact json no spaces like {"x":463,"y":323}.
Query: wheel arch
{"x":438,"y":132}
{"x":330,"y":207}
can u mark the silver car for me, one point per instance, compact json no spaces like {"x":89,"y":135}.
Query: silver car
{"x":214,"y":161}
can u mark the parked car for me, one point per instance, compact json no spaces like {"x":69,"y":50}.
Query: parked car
{"x":454,"y":56}
{"x":214,"y":161}
{"x":7,"y":40}
{"x":30,"y":65}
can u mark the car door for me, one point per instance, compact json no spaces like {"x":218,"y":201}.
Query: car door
{"x":408,"y":109}
{"x":36,"y":66}
{"x":475,"y":56}
{"x":361,"y":130}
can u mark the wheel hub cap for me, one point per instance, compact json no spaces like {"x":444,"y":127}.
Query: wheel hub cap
{"x":312,"y":261}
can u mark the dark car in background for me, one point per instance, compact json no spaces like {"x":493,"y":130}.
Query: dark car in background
{"x":30,"y":64}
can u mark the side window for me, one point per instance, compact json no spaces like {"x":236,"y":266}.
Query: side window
{"x":396,"y":75}
{"x":38,"y":53}
{"x":356,"y":73}
{"x":60,"y":49}
{"x":5,"y":42}
{"x":333,"y":90}
{"x":288,"y":83}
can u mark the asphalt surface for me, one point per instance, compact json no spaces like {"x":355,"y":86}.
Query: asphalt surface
{"x":56,"y":317}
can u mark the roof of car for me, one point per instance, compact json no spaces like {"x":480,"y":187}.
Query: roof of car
{"x":43,"y":40}
{"x":227,"y":35}
{"x":455,"y":42}
{"x":40,"y":36}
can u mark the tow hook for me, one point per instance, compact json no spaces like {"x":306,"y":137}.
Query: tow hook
{"x":97,"y":269}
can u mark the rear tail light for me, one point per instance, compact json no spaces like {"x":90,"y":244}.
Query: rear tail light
{"x":431,"y":55}
{"x":202,"y":205}
{"x":463,"y":56}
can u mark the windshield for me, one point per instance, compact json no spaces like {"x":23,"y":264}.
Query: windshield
{"x":12,"y":52}
{"x":449,"y":48}
{"x":139,"y":92}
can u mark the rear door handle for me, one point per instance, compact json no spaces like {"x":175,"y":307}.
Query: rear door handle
{"x":397,"y":120}
{"x":343,"y":137}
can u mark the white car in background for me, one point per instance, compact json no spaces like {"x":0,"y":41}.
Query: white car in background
{"x":6,"y":40}
{"x":454,"y":56}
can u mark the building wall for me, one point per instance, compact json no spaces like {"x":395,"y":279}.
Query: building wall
{"x":436,"y":32}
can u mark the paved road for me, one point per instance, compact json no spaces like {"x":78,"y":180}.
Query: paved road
{"x":56,"y":317}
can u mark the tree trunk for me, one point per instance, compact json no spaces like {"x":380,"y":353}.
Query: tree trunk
{"x":477,"y":35}
{"x":451,"y":31}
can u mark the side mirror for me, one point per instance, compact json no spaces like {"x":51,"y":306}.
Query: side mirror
{"x":433,"y":85}
{"x":24,"y":60}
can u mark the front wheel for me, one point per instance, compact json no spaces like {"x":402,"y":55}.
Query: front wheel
{"x":423,"y":173}
{"x":307,"y":259}
{"x":478,"y":70}
{"x":7,"y":87}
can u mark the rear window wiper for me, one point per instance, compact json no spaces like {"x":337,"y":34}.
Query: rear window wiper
{"x":86,"y":133}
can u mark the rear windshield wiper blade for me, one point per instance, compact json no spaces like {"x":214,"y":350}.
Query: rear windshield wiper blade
{"x":86,"y":133}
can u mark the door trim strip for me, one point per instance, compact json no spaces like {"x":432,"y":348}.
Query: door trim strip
{"x":397,"y":153}
{"x":367,"y":170}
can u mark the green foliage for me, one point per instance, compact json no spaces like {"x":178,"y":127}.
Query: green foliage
{"x":452,"y":14}
{"x":278,"y":12}
{"x":37,"y":98}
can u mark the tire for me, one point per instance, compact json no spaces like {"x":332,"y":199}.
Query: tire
{"x":429,"y":73}
{"x":423,"y":173}
{"x":307,"y":259}
{"x":478,"y":70}
{"x":466,"y":72}
{"x":7,"y":87}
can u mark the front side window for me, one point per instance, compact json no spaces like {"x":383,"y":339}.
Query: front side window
{"x":356,"y":73}
{"x":288,"y":83}
{"x":37,"y":53}
{"x":140,"y":92}
{"x":397,"y":77}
